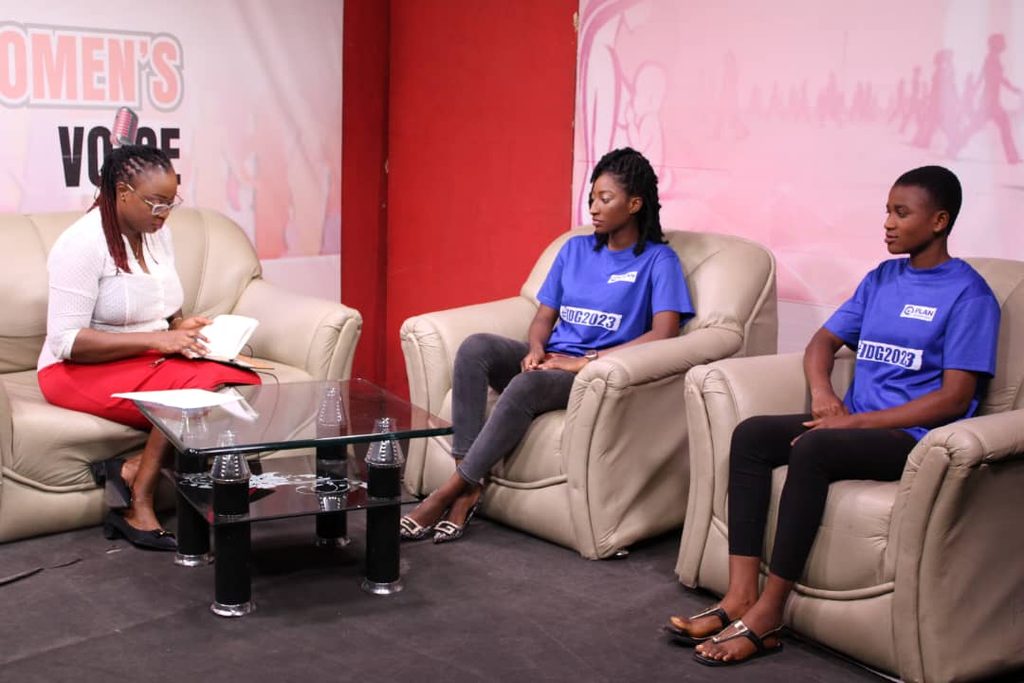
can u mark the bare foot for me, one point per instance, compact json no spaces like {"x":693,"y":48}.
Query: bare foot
{"x":463,"y":504}
{"x":760,"y":620}
{"x":733,"y":605}
{"x":429,"y":512}
{"x":141,"y":518}
{"x":129,"y":470}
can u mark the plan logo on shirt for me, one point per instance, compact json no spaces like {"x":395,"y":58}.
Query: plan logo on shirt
{"x":877,"y":352}
{"x":590,"y":318}
{"x":623,"y":277}
{"x":925,"y":313}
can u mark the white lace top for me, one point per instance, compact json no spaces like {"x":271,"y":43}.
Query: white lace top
{"x":86,"y":290}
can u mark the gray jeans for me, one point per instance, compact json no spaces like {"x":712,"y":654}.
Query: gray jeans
{"x":490,"y":360}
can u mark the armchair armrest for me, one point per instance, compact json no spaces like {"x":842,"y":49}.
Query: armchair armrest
{"x":430,"y":341}
{"x":977,"y":441}
{"x":6,"y":431}
{"x":718,"y":397}
{"x":316,"y":335}
{"x":624,"y":443}
{"x":955,"y":549}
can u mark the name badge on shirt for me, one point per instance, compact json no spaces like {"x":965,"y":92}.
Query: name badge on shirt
{"x":890,"y":354}
{"x":590,"y":318}
{"x":925,"y":313}
{"x":623,"y":277}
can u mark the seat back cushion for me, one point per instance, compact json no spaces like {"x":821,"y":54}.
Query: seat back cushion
{"x":1006,"y":278}
{"x":731,"y":282}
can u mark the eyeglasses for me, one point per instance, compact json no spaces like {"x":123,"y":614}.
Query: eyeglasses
{"x":158,"y":209}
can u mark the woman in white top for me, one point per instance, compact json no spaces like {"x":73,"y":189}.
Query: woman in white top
{"x":114,"y":324}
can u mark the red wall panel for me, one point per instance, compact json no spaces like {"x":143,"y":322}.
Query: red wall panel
{"x":364,"y":183}
{"x":480,"y":105}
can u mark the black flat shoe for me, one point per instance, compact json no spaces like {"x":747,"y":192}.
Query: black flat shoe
{"x":116,"y":526}
{"x":107,"y":473}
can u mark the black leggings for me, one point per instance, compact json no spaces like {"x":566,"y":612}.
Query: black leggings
{"x":820,"y":457}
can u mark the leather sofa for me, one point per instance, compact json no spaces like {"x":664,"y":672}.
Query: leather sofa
{"x":921,"y":577}
{"x":45,"y":451}
{"x":611,"y":469}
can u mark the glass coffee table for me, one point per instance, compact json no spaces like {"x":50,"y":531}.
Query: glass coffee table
{"x":294,"y":449}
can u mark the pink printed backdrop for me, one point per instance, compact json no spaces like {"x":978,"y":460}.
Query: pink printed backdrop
{"x":787,"y":122}
{"x":253,"y":91}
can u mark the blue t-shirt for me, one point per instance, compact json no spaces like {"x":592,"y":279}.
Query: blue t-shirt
{"x":605,"y":298}
{"x":909,"y":325}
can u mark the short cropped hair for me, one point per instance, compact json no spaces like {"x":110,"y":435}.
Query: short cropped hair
{"x":942,"y":186}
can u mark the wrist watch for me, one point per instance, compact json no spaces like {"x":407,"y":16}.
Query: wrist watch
{"x":590,"y":354}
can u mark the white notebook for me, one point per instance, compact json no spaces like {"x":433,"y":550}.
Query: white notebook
{"x":227,"y":335}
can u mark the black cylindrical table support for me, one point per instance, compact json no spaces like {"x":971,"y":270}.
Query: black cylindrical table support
{"x":232,"y":580}
{"x":332,"y":480}
{"x":332,"y":529}
{"x":382,"y":531}
{"x":383,"y":482}
{"x":193,"y":530}
{"x":230,"y":498}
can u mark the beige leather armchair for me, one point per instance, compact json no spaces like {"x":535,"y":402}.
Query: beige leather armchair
{"x":45,"y":451}
{"x":611,"y":469}
{"x":922,"y":578}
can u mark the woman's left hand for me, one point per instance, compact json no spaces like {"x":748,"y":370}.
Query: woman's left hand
{"x":559,"y":362}
{"x":832,"y":422}
{"x":193,"y":323}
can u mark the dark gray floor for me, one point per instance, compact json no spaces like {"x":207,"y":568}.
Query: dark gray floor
{"x":497,"y":605}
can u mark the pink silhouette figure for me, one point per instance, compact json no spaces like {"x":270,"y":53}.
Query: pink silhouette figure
{"x":831,"y":102}
{"x":728,"y":114}
{"x":914,"y":100}
{"x":942,"y":111}
{"x":989,"y":107}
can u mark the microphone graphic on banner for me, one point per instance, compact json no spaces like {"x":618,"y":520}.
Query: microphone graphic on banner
{"x":126,"y":123}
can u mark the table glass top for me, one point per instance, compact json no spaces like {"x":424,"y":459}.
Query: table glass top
{"x":317,"y":434}
{"x":294,"y":415}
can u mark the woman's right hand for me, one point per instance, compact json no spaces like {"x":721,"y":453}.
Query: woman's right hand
{"x":825,"y":403}
{"x":532,"y":359}
{"x":187,"y":342}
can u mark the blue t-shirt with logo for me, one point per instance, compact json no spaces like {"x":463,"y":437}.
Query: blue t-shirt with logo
{"x":909,"y":325}
{"x":605,"y":298}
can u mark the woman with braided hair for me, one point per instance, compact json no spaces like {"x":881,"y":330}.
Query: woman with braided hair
{"x":617,"y":287}
{"x":114,"y":324}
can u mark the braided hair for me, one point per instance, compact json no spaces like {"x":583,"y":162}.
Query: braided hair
{"x":122,"y":165}
{"x":634,"y":173}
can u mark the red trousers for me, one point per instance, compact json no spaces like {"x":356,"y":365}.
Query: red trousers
{"x":87,"y":387}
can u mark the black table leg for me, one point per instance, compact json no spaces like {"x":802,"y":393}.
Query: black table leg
{"x":232,"y":576}
{"x":193,"y":530}
{"x":332,"y":484}
{"x":332,"y":530}
{"x":382,"y":531}
{"x":383,"y":550}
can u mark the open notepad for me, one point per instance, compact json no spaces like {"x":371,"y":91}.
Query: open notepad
{"x":227,"y":335}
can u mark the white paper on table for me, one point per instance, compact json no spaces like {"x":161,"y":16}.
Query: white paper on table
{"x":181,"y":398}
{"x":240,"y":409}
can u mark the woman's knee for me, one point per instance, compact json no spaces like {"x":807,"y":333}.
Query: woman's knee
{"x":475,"y":348}
{"x":809,"y":451}
{"x":751,"y":432}
{"x":529,"y":392}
